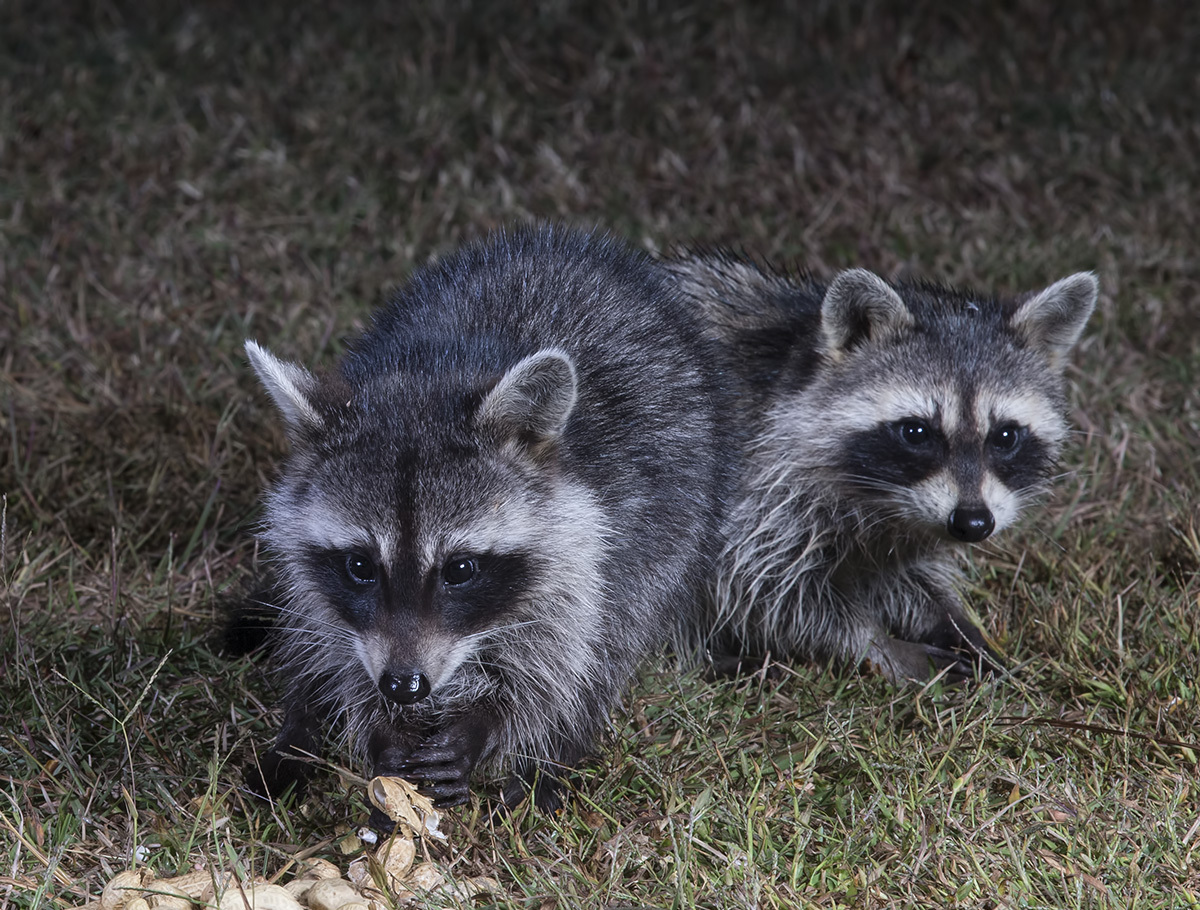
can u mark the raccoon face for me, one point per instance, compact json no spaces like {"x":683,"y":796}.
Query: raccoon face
{"x":943,"y":414}
{"x":414,"y":618}
{"x":942,"y":466}
{"x":420,"y":526}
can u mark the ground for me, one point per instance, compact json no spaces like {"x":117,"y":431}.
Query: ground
{"x":175,"y":178}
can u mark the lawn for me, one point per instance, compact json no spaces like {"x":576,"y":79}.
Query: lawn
{"x":175,"y":178}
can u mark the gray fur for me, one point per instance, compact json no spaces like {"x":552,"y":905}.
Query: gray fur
{"x":532,"y":406}
{"x":860,"y":308}
{"x":533,"y":400}
{"x":1053,"y":319}
{"x":290,"y":386}
{"x":842,"y":545}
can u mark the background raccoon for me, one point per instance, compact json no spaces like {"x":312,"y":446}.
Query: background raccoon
{"x":893,"y":423}
{"x":504,"y":497}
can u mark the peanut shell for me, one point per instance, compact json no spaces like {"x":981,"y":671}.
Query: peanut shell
{"x":194,"y":884}
{"x":319,"y":868}
{"x":331,"y":893}
{"x":359,"y":873}
{"x":425,"y":877}
{"x":396,"y":856}
{"x":124,"y":887}
{"x":298,"y":887}
{"x":258,"y":896}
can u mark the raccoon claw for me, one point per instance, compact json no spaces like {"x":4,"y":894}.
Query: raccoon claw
{"x":445,"y":796}
{"x":958,"y":635}
{"x":447,"y":784}
{"x":443,"y":763}
{"x":907,"y":661}
{"x":957,"y":668}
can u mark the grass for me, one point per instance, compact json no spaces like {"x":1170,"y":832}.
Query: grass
{"x":175,"y":178}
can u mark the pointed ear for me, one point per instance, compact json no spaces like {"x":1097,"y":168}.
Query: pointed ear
{"x":860,"y":306}
{"x":1052,"y":320}
{"x":532,"y":401}
{"x":290,"y":386}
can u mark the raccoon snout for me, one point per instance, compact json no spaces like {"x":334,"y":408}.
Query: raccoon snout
{"x":406,"y":688}
{"x":971,"y":525}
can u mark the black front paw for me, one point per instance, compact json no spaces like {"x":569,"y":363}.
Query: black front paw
{"x":443,"y":762}
{"x":389,"y":749}
{"x":276,"y":773}
{"x":538,"y":783}
{"x":902,"y":662}
{"x":956,"y":633}
{"x":288,"y":764}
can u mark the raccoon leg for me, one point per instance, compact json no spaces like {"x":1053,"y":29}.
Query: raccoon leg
{"x":444,"y":760}
{"x":286,"y":764}
{"x":544,"y":782}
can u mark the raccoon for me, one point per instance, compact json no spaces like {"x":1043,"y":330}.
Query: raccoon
{"x":892,"y":424}
{"x":505,"y":496}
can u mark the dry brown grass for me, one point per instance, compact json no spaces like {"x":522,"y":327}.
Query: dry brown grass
{"x":174,"y":178}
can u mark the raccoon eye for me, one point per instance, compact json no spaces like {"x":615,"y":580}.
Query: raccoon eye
{"x":1007,"y":437}
{"x":360,"y":569}
{"x":458,"y":570}
{"x":914,"y":432}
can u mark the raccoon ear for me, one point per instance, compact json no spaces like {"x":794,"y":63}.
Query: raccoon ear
{"x":1052,"y":320}
{"x":860,"y":306}
{"x":289,"y":385}
{"x":533,"y":400}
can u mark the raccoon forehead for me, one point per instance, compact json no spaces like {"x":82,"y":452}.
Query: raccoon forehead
{"x":955,"y":406}
{"x":566,"y":518}
{"x":1040,"y":412}
{"x":892,"y":402}
{"x":312,"y":521}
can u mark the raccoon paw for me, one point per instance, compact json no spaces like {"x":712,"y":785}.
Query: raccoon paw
{"x":908,"y":661}
{"x":443,"y":762}
{"x":957,"y":634}
{"x":539,"y":784}
{"x":276,"y":773}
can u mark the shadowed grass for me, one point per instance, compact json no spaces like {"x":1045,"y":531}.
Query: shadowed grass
{"x":177,"y":177}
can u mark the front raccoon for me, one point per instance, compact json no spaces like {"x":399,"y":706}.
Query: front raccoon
{"x":502,"y":500}
{"x":893,"y":423}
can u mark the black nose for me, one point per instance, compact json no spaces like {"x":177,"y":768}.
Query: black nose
{"x":971,"y":525}
{"x":405,"y":689}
